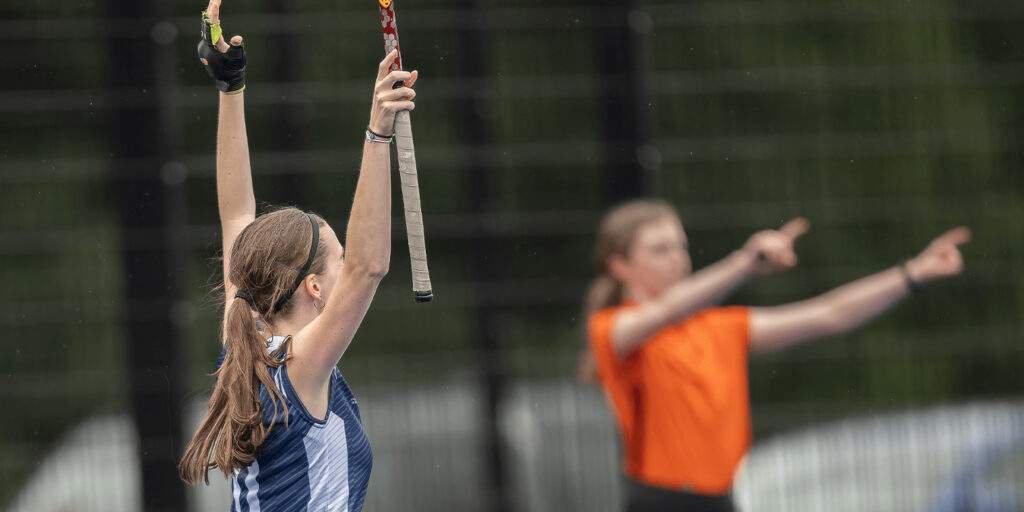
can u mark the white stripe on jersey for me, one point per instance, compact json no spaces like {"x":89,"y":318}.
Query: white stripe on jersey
{"x":236,"y":490}
{"x":253,"y":486}
{"x":327,"y":453}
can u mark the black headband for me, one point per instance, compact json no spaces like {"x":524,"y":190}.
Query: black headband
{"x":305,"y":268}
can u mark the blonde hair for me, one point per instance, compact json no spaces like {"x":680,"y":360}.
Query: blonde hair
{"x":616,"y":236}
{"x":618,"y":232}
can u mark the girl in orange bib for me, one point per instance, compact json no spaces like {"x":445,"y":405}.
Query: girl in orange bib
{"x":674,"y":365}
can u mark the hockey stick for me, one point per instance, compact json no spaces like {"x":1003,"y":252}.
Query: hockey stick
{"x":407,"y":170}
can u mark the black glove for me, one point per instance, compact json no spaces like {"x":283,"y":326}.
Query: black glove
{"x":227,"y":69}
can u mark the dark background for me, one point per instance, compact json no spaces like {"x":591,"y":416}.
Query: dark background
{"x":882,"y":122}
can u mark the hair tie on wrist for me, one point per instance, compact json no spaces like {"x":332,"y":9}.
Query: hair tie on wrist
{"x":373,"y":136}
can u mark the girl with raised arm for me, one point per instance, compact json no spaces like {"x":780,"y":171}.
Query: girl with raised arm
{"x":282,"y":423}
{"x":674,"y":365}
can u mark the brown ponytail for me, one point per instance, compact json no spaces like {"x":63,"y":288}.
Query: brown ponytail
{"x":266,"y":261}
{"x":233,"y":429}
{"x":618,"y":231}
{"x":605,"y":292}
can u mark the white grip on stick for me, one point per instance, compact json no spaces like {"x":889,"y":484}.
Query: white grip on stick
{"x":411,"y":202}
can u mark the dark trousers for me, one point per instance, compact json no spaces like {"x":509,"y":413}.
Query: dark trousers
{"x":644,"y":498}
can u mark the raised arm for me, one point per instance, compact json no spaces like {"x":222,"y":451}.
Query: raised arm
{"x":852,"y":305}
{"x":319,"y":345}
{"x":235,"y":201}
{"x":765,"y":252}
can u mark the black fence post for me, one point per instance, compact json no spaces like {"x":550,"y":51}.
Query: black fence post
{"x":475,"y":135}
{"x":145,"y":140}
{"x":288,"y":122}
{"x":631,"y":162}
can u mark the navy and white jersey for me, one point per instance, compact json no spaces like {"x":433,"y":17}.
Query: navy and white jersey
{"x":310,"y":464}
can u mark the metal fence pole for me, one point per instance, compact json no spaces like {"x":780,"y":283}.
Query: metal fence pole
{"x":476,"y":133}
{"x":629,"y":160}
{"x":147,"y":177}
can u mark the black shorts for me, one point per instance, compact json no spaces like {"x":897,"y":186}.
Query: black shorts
{"x":644,"y":498}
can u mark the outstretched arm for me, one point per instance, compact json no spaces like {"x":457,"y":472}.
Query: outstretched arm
{"x":765,"y":252}
{"x":852,"y":305}
{"x":235,"y":201}
{"x":319,"y":345}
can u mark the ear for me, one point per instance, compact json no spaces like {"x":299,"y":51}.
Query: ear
{"x":312,"y":285}
{"x":618,"y":267}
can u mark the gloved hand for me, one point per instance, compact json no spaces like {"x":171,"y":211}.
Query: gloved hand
{"x":225,"y":63}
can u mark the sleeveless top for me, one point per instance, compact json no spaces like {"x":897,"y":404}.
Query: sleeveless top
{"x":310,"y":464}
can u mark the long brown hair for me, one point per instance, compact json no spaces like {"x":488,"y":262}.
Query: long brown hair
{"x":266,"y":260}
{"x":615,"y":237}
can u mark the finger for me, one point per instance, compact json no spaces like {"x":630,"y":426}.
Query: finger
{"x":951,"y":263}
{"x":385,"y":65}
{"x":956,"y":236}
{"x":958,"y":262}
{"x":400,"y":94}
{"x":398,"y":106}
{"x":394,"y":77}
{"x":785,"y":259}
{"x":236,"y":41}
{"x":412,"y":79}
{"x":795,"y":228}
{"x":774,"y":257}
{"x":953,"y":257}
{"x":214,"y":10}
